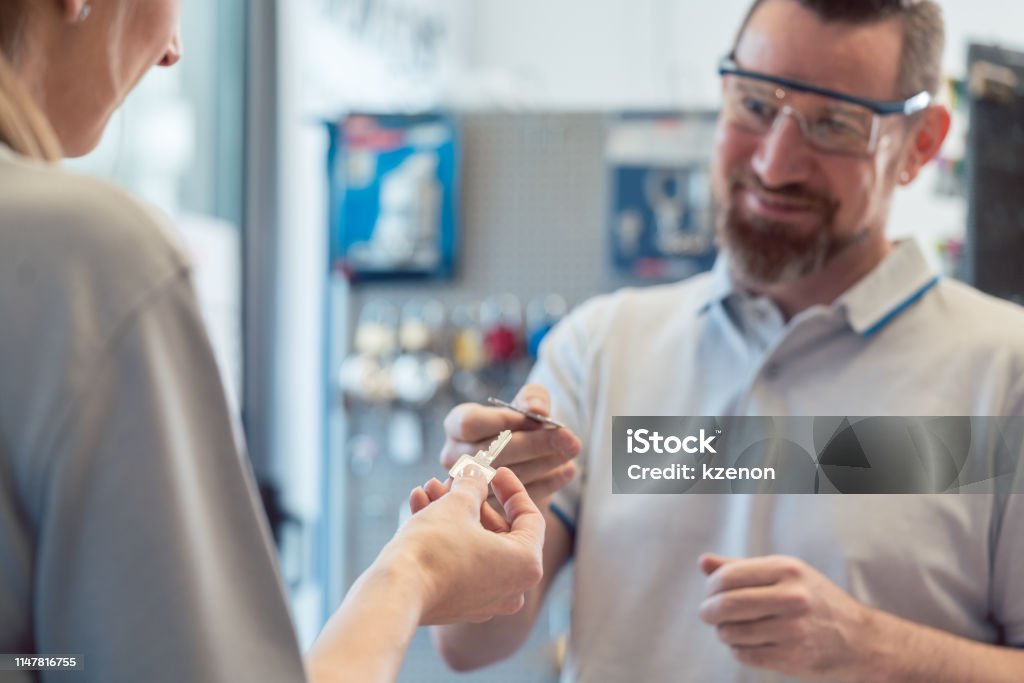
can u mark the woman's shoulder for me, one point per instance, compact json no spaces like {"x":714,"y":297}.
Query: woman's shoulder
{"x":72,"y":243}
{"x":73,"y":235}
{"x":55,"y":214}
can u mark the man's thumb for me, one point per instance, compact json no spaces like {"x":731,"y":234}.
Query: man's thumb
{"x":535,"y":398}
{"x":710,"y":562}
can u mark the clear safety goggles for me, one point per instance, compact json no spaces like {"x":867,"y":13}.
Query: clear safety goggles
{"x":830,"y":121}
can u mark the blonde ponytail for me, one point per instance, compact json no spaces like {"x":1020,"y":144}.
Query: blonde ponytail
{"x":23,"y":127}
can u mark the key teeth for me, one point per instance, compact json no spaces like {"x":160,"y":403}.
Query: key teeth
{"x":503,"y":439}
{"x":498,"y":445}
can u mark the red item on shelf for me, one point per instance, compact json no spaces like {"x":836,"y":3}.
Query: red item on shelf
{"x":502,"y":343}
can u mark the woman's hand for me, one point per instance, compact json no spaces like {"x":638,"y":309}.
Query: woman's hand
{"x":442,"y":566}
{"x":474,"y":564}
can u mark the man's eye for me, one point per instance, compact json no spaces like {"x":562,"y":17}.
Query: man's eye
{"x":759,"y":108}
{"x":833,"y":127}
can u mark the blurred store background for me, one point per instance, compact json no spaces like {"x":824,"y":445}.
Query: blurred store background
{"x":389,"y":202}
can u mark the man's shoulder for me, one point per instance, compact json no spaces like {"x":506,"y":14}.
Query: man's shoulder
{"x":621,"y":321}
{"x":676,"y":301}
{"x":970,"y":313}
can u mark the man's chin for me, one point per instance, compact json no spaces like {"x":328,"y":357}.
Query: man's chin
{"x":753,"y":271}
{"x":763,"y":256}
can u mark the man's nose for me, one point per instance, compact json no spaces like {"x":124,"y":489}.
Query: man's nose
{"x":783,"y":155}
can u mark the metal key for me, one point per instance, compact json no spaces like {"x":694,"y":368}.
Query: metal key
{"x":483,"y":459}
{"x":543,"y":419}
{"x":494,"y":450}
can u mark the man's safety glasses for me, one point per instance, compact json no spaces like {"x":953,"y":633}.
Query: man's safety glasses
{"x":831,"y":121}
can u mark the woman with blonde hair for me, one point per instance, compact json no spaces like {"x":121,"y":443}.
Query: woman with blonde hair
{"x":130,"y":533}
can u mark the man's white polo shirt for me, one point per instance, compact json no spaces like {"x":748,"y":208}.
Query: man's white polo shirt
{"x":900,"y":342}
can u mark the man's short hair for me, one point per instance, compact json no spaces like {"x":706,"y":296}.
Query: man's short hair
{"x":924,"y":34}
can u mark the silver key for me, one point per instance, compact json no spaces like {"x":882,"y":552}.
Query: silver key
{"x":496,"y":447}
{"x":537,"y":417}
{"x":483,"y":459}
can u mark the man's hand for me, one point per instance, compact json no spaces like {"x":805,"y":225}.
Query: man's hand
{"x":469,"y":573}
{"x":540,"y":457}
{"x":780,"y":613}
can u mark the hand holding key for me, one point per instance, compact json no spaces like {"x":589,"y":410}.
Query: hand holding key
{"x":538,"y":455}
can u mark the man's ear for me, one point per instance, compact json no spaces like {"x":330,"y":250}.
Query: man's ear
{"x":928,"y":134}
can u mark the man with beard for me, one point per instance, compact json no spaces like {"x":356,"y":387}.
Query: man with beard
{"x":828,"y":106}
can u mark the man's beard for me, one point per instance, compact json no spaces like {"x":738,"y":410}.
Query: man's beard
{"x":768,"y":252}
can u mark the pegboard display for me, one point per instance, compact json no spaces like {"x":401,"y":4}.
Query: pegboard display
{"x":995,"y":238}
{"x":533,"y":207}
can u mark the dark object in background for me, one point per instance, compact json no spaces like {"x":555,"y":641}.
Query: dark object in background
{"x":277,"y":516}
{"x":995,"y":170}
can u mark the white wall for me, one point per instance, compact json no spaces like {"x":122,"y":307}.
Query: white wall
{"x":581,"y":54}
{"x":570,"y":53}
{"x":992,"y":21}
{"x":402,"y":56}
